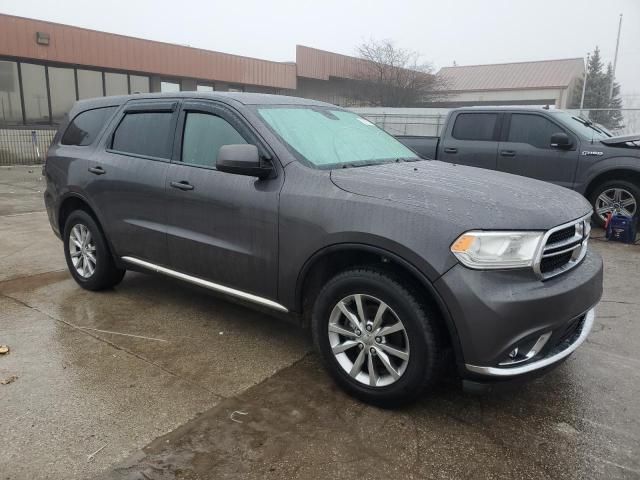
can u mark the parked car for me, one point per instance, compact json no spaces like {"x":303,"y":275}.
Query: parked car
{"x":399,"y":265}
{"x":550,"y":145}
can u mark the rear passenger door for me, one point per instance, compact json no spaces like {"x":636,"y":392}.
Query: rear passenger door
{"x":221,"y":227}
{"x":471,"y":139}
{"x":127,"y":179}
{"x":526,"y":150}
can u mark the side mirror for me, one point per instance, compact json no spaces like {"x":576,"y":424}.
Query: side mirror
{"x":561,"y":141}
{"x":242,"y":160}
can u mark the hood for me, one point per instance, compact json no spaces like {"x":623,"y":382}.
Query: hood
{"x":467,"y":196}
{"x":623,"y":140}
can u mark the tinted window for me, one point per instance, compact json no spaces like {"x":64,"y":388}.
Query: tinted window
{"x":204,"y":134}
{"x":10,"y":107}
{"x":475,"y":126}
{"x":34,"y":89}
{"x":139,"y":84}
{"x":146,"y":133}
{"x":532,"y":129}
{"x":86,"y":126}
{"x":89,"y":84}
{"x":116,"y":84}
{"x":62,"y":87}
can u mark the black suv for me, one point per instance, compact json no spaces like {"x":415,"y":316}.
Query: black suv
{"x":399,"y":265}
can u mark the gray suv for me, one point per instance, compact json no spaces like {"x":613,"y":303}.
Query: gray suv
{"x":400,"y":266}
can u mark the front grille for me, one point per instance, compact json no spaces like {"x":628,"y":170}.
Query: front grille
{"x":549,"y":264}
{"x":561,"y":235}
{"x":564,"y":248}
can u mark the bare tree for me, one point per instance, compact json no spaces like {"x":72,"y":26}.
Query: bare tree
{"x":394,"y":77}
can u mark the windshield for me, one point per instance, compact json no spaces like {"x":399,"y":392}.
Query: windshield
{"x":583,"y":127}
{"x":331,"y":138}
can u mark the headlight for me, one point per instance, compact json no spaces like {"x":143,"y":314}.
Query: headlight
{"x":492,"y":250}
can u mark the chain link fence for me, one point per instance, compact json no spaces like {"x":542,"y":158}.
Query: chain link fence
{"x":24,"y":145}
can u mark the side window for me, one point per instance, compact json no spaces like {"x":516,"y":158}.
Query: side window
{"x":532,"y":129}
{"x":475,"y":126}
{"x":204,"y":134}
{"x":144,"y":133}
{"x":85,"y":127}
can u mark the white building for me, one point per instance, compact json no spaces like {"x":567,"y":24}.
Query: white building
{"x":547,"y":82}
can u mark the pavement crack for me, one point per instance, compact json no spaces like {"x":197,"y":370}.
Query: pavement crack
{"x":112,"y":344}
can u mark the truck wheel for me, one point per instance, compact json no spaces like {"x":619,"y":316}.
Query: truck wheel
{"x":614,"y":196}
{"x":87,"y":253}
{"x":376,"y":340}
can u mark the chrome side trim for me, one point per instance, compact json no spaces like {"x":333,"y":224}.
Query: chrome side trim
{"x":543,"y":362}
{"x":207,"y":284}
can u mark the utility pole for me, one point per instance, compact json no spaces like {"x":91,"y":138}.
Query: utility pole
{"x":615,"y":59}
{"x":584,"y":84}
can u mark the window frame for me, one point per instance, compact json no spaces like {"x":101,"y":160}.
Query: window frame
{"x":507,"y":130}
{"x":146,"y":106}
{"x":495,"y":136}
{"x":231,"y":116}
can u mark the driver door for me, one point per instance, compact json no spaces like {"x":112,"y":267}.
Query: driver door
{"x":526,"y":150}
{"x":221,"y":227}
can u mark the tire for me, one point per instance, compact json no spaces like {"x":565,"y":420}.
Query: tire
{"x":80,"y":248}
{"x":629,"y":192}
{"x":420,"y":339}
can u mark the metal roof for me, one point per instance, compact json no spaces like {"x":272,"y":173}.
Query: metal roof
{"x":512,"y":76}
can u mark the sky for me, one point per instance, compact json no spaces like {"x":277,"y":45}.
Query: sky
{"x":465,"y":31}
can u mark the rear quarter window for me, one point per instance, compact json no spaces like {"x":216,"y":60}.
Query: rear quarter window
{"x":86,"y":126}
{"x":475,"y":126}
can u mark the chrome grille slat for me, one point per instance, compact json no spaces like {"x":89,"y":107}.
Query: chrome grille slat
{"x":549,"y":260}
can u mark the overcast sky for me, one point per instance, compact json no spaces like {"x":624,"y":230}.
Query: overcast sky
{"x":465,"y":31}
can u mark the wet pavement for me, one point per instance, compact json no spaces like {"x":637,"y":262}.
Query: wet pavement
{"x":157,"y":380}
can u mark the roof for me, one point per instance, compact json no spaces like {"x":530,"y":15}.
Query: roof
{"x":240,"y":97}
{"x":512,"y":76}
{"x":91,"y":48}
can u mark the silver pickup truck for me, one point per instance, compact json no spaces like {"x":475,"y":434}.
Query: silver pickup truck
{"x":550,"y":145}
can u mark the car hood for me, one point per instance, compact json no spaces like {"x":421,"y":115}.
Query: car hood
{"x":621,"y":140}
{"x":470,"y":197}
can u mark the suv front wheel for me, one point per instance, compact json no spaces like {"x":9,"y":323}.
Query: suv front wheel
{"x":87,"y":253}
{"x":375,"y":338}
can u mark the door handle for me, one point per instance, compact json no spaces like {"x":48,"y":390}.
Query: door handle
{"x":450,"y":150}
{"x":508,"y":153}
{"x":183,"y":185}
{"x":97,"y":170}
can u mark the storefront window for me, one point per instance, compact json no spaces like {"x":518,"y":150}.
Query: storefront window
{"x":10,"y":107}
{"x":34,"y":87}
{"x":62,"y":86}
{"x":205,"y":88}
{"x":89,"y":84}
{"x":169,"y":87}
{"x":116,"y":84}
{"x":139,"y":84}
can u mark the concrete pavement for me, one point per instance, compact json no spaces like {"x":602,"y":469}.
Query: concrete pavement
{"x":142,"y":382}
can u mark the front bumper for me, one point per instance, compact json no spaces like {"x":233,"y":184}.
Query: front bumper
{"x":496,"y":311}
{"x":555,"y":355}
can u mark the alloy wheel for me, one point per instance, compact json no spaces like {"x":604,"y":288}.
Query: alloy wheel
{"x":368,"y":340}
{"x":615,"y":200}
{"x":82,"y":250}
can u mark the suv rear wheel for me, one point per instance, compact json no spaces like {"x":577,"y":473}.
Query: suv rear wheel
{"x":377,"y":341}
{"x":87,"y":253}
{"x":614,"y":196}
